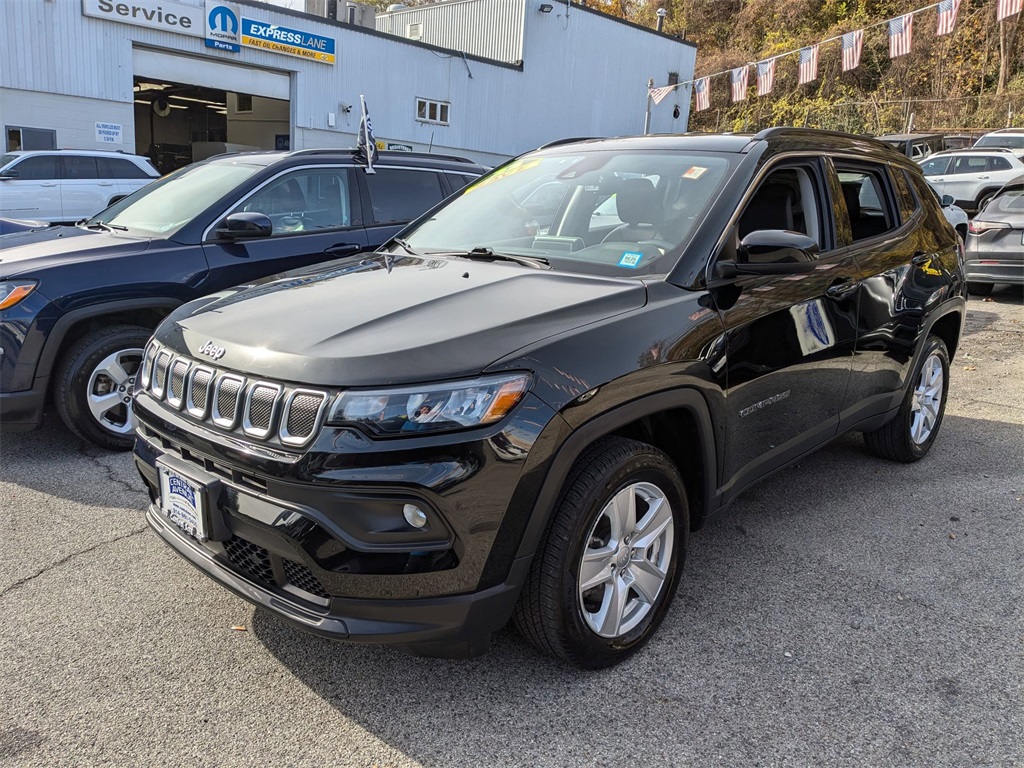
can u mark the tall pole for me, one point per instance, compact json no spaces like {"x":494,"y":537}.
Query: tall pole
{"x":647,"y":114}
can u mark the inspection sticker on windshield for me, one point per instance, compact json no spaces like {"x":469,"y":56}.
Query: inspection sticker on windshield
{"x":630,"y":259}
{"x":695,"y":173}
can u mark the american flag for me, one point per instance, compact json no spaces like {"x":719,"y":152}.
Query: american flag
{"x":739,"y":83}
{"x":702,"y":89}
{"x":900,"y":31}
{"x":948,"y":9}
{"x":809,"y":64}
{"x":657,"y":94}
{"x":853,"y":43}
{"x":765,"y":76}
{"x":1008,"y":8}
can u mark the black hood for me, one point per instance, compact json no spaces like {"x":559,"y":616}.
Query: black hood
{"x":26,"y":253}
{"x":426,"y":319}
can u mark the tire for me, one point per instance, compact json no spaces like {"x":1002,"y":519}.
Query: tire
{"x":982,"y":200}
{"x":910,"y":435}
{"x":102,"y":364}
{"x":979,"y":289}
{"x":583,"y":627}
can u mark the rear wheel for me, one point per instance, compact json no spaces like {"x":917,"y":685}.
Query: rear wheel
{"x":604,"y":576}
{"x":910,"y":435}
{"x":979,"y":289}
{"x":93,"y":391}
{"x":983,"y":200}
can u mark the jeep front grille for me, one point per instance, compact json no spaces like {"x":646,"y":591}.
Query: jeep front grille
{"x":259,"y":409}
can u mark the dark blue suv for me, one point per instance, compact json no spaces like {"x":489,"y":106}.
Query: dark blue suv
{"x":77,"y":304}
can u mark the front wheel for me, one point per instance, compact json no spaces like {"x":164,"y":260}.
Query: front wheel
{"x":604,"y":576}
{"x":93,"y":391}
{"x":910,"y":435}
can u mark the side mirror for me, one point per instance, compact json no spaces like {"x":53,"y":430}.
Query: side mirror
{"x":8,"y":175}
{"x":947,"y":200}
{"x":244,"y":226}
{"x":772,"y":252}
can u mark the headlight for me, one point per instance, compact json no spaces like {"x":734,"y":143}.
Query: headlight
{"x":13,"y":291}
{"x":431,"y":407}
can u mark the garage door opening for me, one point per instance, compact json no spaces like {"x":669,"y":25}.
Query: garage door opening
{"x":181,"y":123}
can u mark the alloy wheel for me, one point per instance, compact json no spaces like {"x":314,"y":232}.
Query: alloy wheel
{"x":109,"y":392}
{"x":927,"y":399}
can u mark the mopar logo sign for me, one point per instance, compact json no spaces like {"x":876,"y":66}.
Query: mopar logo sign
{"x":222,"y":26}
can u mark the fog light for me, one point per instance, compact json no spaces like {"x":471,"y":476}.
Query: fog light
{"x":414,"y":516}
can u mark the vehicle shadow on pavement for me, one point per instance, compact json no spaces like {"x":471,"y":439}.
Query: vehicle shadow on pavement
{"x":818,"y":616}
{"x":53,"y":462}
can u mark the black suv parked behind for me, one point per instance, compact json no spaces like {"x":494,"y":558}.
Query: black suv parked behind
{"x":77,"y":304}
{"x":495,"y":419}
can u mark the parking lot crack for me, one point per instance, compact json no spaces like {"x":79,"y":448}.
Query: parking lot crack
{"x":109,"y":471}
{"x":52,"y":566}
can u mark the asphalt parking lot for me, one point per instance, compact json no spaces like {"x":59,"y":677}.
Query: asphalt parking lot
{"x":846,"y":612}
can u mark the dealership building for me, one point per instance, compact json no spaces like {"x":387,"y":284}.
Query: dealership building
{"x":180,"y":80}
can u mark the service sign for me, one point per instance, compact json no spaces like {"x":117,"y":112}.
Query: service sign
{"x":292,"y":42}
{"x":154,"y":14}
{"x":223,"y":26}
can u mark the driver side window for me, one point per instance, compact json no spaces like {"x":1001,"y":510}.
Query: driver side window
{"x":784,"y":200}
{"x":304,"y":201}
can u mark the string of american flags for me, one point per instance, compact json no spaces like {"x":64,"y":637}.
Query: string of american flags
{"x":900,"y":29}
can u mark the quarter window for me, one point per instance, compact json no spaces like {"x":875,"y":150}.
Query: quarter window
{"x":868,"y":203}
{"x":398,"y":194}
{"x":999,"y":164}
{"x":304,"y":201}
{"x":429,"y":111}
{"x":124,"y":169}
{"x":908,"y":202}
{"x":39,"y":168}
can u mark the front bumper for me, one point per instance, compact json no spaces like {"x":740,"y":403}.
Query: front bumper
{"x":320,"y":542}
{"x":23,"y":411}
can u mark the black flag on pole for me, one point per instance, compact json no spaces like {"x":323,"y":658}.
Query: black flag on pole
{"x":366,"y":147}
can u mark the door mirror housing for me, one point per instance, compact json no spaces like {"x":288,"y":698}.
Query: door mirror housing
{"x":771,"y":252}
{"x":245,"y":226}
{"x":947,"y":200}
{"x":8,"y":175}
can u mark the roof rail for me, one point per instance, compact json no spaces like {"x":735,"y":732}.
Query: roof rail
{"x":566,"y":140}
{"x":383,"y":153}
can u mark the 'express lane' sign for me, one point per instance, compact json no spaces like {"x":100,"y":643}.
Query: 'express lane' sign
{"x":270,"y":37}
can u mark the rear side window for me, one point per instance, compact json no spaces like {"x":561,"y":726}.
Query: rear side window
{"x":935,"y":166}
{"x":970,"y":164}
{"x":868,"y":203}
{"x":119,"y":168}
{"x":39,"y":168}
{"x":459,"y":180}
{"x":80,"y":168}
{"x":402,"y":195}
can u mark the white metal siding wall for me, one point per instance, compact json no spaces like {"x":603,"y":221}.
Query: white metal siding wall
{"x":489,"y":28}
{"x":583,"y":76}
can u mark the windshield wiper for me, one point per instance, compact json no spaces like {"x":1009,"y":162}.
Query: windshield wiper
{"x":484,"y":253}
{"x":405,"y":246}
{"x":106,"y":227}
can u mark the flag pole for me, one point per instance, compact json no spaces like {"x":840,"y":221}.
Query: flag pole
{"x":647,"y":114}
{"x":366,"y":135}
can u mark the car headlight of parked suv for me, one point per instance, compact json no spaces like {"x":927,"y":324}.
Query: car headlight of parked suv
{"x":440,"y":407}
{"x":13,"y":291}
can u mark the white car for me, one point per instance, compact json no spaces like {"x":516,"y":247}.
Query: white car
{"x":1007,"y":138}
{"x":971,"y":176}
{"x":65,"y":185}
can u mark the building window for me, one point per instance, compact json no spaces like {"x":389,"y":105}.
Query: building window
{"x":673,"y":78}
{"x":244,"y":102}
{"x":19,"y":138}
{"x":429,"y":111}
{"x":414,"y":31}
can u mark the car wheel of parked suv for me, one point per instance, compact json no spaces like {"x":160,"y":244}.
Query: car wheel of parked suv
{"x":979,"y":289}
{"x":95,"y":382}
{"x":608,"y":567}
{"x":908,"y":437}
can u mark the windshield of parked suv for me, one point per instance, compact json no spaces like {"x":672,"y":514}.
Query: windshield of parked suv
{"x":6,"y":160}
{"x":1010,"y":142}
{"x":165,"y":206}
{"x":605,"y":211}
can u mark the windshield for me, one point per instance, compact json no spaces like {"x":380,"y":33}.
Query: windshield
{"x":6,"y":160}
{"x":1010,"y":142}
{"x":165,"y":206}
{"x":604,"y":211}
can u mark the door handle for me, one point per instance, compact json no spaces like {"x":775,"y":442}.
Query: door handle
{"x":52,"y":184}
{"x":343,"y":249}
{"x":105,"y":184}
{"x":920,"y":257}
{"x":842,"y":289}
{"x":983,"y":177}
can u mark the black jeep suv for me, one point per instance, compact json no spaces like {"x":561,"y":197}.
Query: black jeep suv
{"x":77,"y":304}
{"x":496,"y":419}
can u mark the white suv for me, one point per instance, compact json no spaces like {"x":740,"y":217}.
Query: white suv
{"x":66,"y":185}
{"x":1008,"y":138}
{"x":971,"y":176}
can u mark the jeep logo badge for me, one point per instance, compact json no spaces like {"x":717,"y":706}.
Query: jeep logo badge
{"x":212,"y":350}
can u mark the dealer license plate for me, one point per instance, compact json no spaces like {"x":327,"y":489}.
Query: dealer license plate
{"x":181,"y":499}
